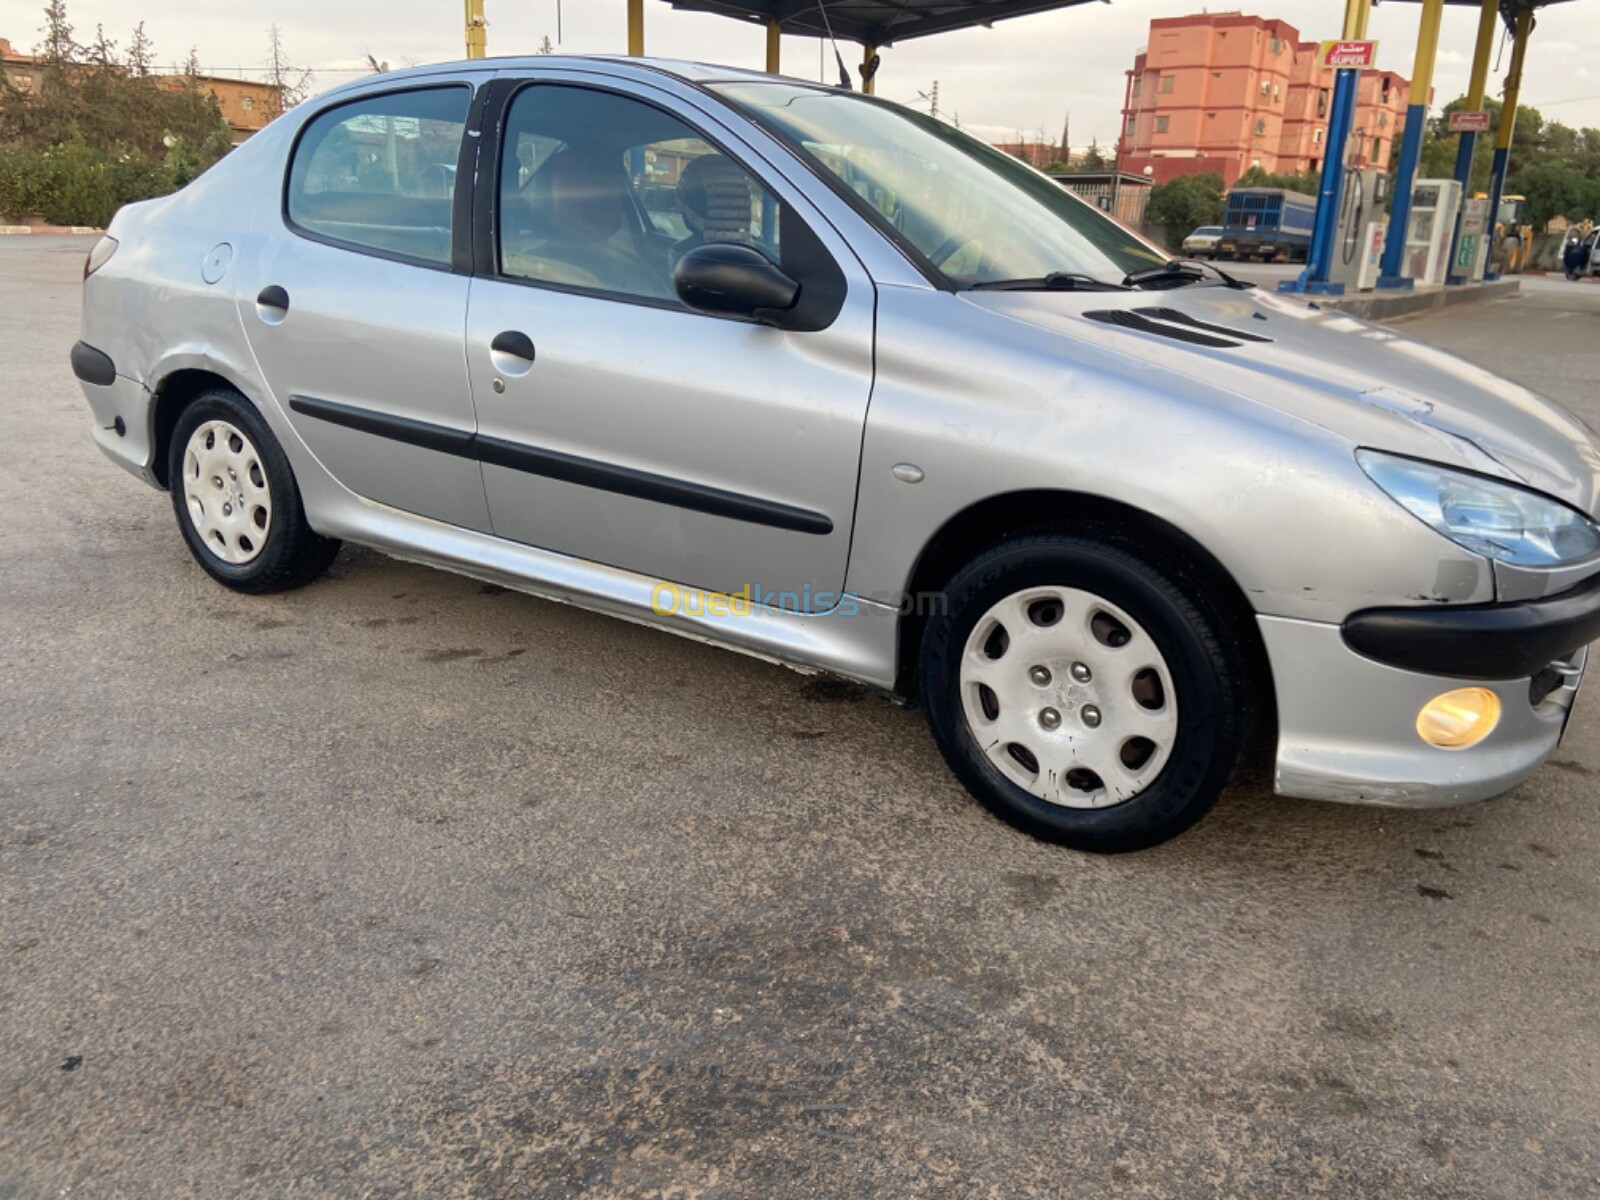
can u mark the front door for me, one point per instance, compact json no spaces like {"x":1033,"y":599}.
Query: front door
{"x":354,"y":312}
{"x":615,"y":424}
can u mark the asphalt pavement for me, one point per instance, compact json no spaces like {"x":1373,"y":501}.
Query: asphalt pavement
{"x":406,"y":886}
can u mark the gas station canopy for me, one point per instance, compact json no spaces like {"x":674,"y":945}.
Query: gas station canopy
{"x":873,"y":22}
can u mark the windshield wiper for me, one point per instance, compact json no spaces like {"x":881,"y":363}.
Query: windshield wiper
{"x":1180,"y":271}
{"x":1056,"y":281}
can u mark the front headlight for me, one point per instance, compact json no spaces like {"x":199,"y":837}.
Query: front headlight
{"x":1498,"y":520}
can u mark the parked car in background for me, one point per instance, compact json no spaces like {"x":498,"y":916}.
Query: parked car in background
{"x":1589,"y":254}
{"x":1202,"y":243}
{"x":1108,"y":517}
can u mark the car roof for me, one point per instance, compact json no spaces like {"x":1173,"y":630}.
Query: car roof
{"x":684,"y":69}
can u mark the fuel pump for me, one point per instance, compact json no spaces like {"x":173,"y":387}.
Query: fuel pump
{"x":1434,"y":205}
{"x":1359,"y":229}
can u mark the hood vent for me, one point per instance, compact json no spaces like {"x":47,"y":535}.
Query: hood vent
{"x":1179,"y":326}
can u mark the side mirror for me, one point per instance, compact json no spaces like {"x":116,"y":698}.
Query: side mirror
{"x":736,"y":281}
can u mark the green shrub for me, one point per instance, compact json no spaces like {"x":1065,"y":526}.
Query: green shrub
{"x":74,"y":184}
{"x":24,"y":184}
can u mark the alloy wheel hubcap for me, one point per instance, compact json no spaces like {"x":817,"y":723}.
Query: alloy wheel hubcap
{"x":1069,"y":697}
{"x":230,"y":504}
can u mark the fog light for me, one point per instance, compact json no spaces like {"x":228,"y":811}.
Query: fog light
{"x":1459,"y":719}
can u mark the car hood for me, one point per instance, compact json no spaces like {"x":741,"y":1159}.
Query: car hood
{"x":1366,"y":382}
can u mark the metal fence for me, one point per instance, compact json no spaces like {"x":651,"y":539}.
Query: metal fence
{"x":1122,"y":197}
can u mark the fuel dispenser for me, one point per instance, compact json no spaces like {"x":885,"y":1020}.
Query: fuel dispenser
{"x":1472,"y":246}
{"x":1359,"y":230}
{"x":1434,"y":205}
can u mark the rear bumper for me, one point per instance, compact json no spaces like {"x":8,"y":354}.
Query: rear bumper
{"x":1347,"y":723}
{"x":121,"y":409}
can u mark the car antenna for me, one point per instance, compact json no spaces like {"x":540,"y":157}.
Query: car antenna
{"x":844,"y":75}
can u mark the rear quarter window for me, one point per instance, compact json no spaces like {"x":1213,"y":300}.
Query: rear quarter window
{"x":379,"y":173}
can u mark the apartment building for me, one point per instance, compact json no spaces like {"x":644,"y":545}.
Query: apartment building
{"x":1225,"y":92}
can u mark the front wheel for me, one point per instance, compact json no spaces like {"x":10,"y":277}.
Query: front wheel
{"x":1084,"y":691}
{"x":236,"y":499}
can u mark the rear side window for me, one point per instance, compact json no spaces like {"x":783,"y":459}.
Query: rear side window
{"x":379,"y":173}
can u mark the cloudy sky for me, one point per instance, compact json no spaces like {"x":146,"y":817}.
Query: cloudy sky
{"x":1026,"y":74}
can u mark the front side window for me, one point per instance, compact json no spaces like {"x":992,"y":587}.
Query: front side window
{"x":379,"y":173}
{"x":606,"y":193}
{"x":972,"y":213}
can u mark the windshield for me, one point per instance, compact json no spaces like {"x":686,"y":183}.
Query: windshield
{"x":974,"y":214}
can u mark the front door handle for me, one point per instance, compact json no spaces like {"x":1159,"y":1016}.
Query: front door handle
{"x":511,"y":353}
{"x":514,"y":344}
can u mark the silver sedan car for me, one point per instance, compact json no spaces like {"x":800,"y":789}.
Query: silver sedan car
{"x":812,"y":376}
{"x":1203,"y":242}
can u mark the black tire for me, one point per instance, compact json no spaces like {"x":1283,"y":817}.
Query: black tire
{"x":292,"y":554}
{"x":1206,"y":664}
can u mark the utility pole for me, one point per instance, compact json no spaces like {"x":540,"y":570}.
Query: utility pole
{"x":933,"y":99}
{"x":477,"y":30}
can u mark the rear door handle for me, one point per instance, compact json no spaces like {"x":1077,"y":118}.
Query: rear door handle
{"x":272,"y":304}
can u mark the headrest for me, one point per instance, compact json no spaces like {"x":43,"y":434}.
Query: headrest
{"x":578,"y":195}
{"x":714,"y":193}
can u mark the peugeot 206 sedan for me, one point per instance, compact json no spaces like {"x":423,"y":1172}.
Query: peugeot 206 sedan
{"x":809,"y":375}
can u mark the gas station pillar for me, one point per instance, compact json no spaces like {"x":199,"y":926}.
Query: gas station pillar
{"x":1508,"y":124}
{"x":1411,"y":148}
{"x":636,"y":27}
{"x":1341,"y":115}
{"x":774,"y":41}
{"x":1468,"y":145}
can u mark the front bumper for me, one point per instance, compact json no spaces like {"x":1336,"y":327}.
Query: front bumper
{"x":1347,"y":723}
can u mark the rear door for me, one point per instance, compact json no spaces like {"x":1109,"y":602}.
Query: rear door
{"x":356,"y":301}
{"x":619,"y":426}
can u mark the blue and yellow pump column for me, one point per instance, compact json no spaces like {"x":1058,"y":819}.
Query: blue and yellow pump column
{"x":1508,"y":124}
{"x":1341,"y":114}
{"x":1394,"y":245}
{"x":1468,"y":145}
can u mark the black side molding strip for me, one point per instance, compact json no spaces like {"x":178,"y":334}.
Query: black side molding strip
{"x":400,"y":429}
{"x":1480,"y":641}
{"x":642,"y":485}
{"x":569,"y":468}
{"x":93,"y":366}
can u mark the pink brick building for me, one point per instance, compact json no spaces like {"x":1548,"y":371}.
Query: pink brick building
{"x":1224,"y":92}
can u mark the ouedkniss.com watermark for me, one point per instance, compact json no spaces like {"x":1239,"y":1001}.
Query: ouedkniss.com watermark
{"x":675,"y":600}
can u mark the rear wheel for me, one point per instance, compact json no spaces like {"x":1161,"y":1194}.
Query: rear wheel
{"x":1084,"y":691}
{"x":236,"y":499}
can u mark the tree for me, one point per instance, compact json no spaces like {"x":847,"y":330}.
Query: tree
{"x":545,"y":46}
{"x":100,"y":130}
{"x":1553,"y":189}
{"x":58,"y":48}
{"x":1183,"y":204}
{"x":141,"y":55}
{"x":289,"y":82}
{"x":1306,"y":183}
{"x":102,"y":52}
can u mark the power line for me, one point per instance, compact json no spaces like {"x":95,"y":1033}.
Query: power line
{"x":1568,"y":100}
